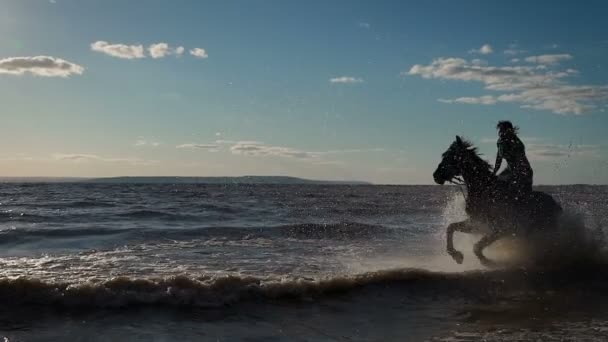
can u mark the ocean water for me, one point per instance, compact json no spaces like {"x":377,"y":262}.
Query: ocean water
{"x":137,"y":262}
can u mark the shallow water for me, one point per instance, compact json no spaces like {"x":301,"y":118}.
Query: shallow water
{"x":279,"y":262}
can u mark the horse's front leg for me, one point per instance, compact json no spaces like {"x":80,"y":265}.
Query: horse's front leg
{"x":465,"y":227}
{"x":483,"y":243}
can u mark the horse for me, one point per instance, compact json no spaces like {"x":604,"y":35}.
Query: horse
{"x":492,"y":206}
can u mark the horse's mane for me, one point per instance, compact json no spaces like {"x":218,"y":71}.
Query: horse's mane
{"x":473,"y":152}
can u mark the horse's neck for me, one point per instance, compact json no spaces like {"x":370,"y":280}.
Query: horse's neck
{"x":477,"y":177}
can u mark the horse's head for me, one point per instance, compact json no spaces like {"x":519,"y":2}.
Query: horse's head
{"x":452,"y":161}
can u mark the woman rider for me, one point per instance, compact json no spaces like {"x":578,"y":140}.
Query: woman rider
{"x":518,"y":174}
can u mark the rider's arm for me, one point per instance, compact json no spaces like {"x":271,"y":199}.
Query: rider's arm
{"x":498,"y":159}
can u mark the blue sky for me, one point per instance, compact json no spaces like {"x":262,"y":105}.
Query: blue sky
{"x":362,"y":90}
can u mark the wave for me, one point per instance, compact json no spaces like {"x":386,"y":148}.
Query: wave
{"x":16,"y":235}
{"x":217,"y":291}
{"x":342,"y":230}
{"x":76,"y":204}
{"x":156,"y":214}
{"x":334,"y":231}
{"x":90,"y":204}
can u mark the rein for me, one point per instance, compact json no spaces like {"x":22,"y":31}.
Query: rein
{"x":459,"y":182}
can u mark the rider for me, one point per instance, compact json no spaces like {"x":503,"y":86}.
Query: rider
{"x":518,"y":173}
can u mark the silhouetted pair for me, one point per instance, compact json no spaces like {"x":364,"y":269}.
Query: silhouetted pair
{"x":497,"y":206}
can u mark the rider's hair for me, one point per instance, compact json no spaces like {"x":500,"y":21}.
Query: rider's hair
{"x":506,"y":126}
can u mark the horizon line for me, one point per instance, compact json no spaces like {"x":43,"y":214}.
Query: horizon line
{"x":40,"y":179}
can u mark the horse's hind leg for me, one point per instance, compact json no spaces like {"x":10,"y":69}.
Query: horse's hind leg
{"x":482,"y":244}
{"x":464,"y":227}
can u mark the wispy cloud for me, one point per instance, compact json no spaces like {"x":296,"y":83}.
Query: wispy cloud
{"x":365,"y":25}
{"x":46,"y":66}
{"x":346,"y":80}
{"x":83,"y":157}
{"x":352,"y":150}
{"x":199,"y":53}
{"x":512,"y":52}
{"x":485,"y":49}
{"x":540,"y":152}
{"x":530,"y":86}
{"x":141,"y":142}
{"x":540,"y":149}
{"x":208,"y":147}
{"x":484,"y":100}
{"x":548,"y":59}
{"x":260,"y":149}
{"x":119,"y":50}
{"x":252,"y":148}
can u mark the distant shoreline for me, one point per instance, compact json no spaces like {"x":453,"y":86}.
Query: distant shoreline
{"x":271,"y":180}
{"x":178,"y":180}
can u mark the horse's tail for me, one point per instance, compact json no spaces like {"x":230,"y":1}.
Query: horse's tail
{"x":546,"y":209}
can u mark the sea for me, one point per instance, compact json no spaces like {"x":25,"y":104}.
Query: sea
{"x":292,"y":262}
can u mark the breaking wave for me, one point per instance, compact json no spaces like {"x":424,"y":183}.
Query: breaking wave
{"x":214,"y":291}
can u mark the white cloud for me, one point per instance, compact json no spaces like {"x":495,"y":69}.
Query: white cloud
{"x":530,"y":86}
{"x":539,"y":149}
{"x":208,"y":147}
{"x":548,"y":59}
{"x":346,"y":80}
{"x":119,"y":50}
{"x":252,"y":148}
{"x":230,"y":142}
{"x":348,"y":151}
{"x":512,"y":52}
{"x":478,"y":61}
{"x":365,"y":25}
{"x":159,"y":50}
{"x":83,"y":158}
{"x":259,"y":149}
{"x":485,"y":49}
{"x":199,"y":53}
{"x":542,"y":152}
{"x":46,"y":66}
{"x":495,"y":78}
{"x":141,"y":142}
{"x":484,"y":100}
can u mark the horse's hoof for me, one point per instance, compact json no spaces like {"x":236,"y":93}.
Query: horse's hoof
{"x":457,"y":256}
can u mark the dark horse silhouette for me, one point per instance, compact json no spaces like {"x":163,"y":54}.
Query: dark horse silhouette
{"x":492,"y":207}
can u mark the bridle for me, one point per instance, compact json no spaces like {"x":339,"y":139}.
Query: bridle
{"x":459,"y":182}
